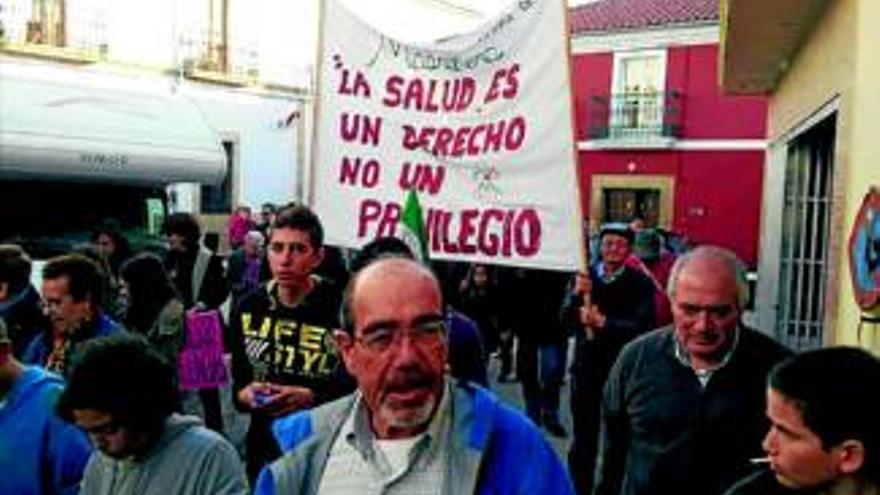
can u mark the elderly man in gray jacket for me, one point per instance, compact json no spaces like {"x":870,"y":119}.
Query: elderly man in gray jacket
{"x":409,"y":428}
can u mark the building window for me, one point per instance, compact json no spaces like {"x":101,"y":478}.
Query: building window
{"x":806,"y":216}
{"x":218,"y":199}
{"x":620,"y":198}
{"x":57,"y":29}
{"x":623,"y":205}
{"x":217,"y":41}
{"x":638,"y":92}
{"x":47,"y":23}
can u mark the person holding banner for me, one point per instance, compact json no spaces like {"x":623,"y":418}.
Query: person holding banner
{"x":283,"y":357}
{"x":604,"y":310}
{"x":409,"y":428}
{"x":123,"y":394}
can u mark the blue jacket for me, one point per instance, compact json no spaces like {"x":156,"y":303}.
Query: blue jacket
{"x":467,"y":361}
{"x":38,"y":351}
{"x":39,"y":453}
{"x":495,"y":449}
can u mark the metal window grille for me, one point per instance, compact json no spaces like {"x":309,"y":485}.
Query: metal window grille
{"x":806,"y":218}
{"x":621,"y":205}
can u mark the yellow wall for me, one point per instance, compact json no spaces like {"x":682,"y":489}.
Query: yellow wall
{"x":840,"y":59}
{"x":864,"y":154}
{"x":821,"y":69}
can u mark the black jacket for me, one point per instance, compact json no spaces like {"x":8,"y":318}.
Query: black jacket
{"x":288,"y":346}
{"x":663,"y":432}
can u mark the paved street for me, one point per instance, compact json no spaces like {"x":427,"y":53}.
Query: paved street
{"x":511,"y":393}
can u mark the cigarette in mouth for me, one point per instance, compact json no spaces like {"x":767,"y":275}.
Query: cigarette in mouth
{"x":759,"y":460}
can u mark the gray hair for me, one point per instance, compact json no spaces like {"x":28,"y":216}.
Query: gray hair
{"x":254,"y":236}
{"x":726,"y":256}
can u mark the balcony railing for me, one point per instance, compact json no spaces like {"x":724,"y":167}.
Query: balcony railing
{"x":638,"y":117}
{"x":48,"y":29}
{"x":211,"y":56}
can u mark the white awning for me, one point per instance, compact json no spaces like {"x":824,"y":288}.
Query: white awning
{"x":100,"y":129}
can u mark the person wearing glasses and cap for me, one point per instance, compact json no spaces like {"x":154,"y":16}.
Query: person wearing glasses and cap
{"x":683,"y":406}
{"x":409,"y":428}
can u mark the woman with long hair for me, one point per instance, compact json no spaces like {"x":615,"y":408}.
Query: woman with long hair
{"x":153,"y":307}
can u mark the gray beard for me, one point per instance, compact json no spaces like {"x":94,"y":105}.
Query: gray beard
{"x":409,"y":418}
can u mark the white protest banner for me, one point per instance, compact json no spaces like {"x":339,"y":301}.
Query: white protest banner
{"x":479,"y":124}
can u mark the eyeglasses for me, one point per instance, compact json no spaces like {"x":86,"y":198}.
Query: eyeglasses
{"x":423,"y":335}
{"x":109,"y":428}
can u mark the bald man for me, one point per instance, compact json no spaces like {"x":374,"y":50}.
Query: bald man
{"x":409,"y":428}
{"x":683,"y":407}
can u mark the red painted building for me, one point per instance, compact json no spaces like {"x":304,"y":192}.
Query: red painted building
{"x":657,"y":137}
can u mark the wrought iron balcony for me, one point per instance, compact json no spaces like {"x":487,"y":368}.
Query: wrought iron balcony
{"x":634,"y":117}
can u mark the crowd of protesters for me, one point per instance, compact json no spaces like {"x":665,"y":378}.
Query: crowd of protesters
{"x":366,"y":372}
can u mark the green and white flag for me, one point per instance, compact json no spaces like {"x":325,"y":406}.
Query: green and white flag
{"x":412,"y":226}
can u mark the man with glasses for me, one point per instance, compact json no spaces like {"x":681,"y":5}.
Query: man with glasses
{"x":73,"y":288}
{"x":283,"y":356}
{"x":683,"y":409}
{"x":123,"y":394}
{"x":604,"y":309}
{"x":409,"y":428}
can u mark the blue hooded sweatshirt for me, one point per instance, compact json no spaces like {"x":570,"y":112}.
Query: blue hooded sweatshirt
{"x":39,"y":452}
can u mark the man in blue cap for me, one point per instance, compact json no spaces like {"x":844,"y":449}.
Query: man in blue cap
{"x":604,"y":309}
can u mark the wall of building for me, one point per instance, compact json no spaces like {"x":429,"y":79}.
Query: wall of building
{"x":864,"y":157}
{"x":823,"y":73}
{"x":591,"y":75}
{"x":716,"y":192}
{"x":266,"y":146}
{"x":707,"y":112}
{"x":690,"y":71}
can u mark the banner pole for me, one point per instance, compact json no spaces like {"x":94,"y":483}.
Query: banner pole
{"x":584,"y":246}
{"x":316,"y":82}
